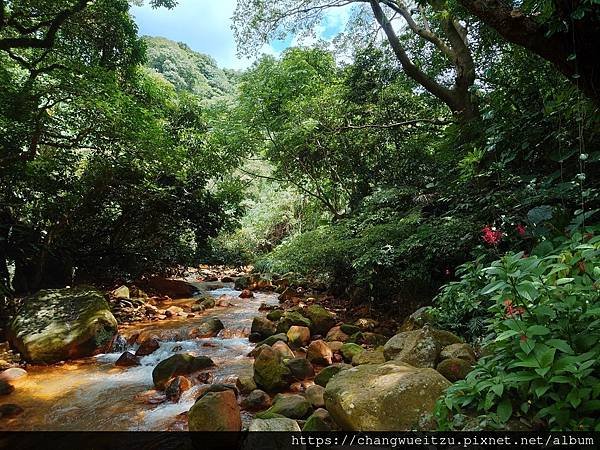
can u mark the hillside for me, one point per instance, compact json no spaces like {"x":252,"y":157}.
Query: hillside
{"x":188,"y":70}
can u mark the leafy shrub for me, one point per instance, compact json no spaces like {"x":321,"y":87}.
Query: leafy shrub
{"x":544,"y":346}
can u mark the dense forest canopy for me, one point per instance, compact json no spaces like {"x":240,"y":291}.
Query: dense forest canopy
{"x":435,"y":152}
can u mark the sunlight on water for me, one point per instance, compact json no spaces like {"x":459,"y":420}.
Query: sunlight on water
{"x":94,"y":394}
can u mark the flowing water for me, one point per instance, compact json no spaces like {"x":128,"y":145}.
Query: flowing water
{"x":94,"y":394}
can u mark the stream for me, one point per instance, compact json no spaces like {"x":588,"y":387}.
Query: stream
{"x":93,"y":394}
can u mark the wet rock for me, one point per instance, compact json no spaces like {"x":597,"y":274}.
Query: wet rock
{"x":369,"y":357}
{"x":454,"y":369}
{"x":179,"y":364}
{"x":245,"y":384}
{"x":257,"y":400}
{"x":419,"y":348}
{"x":12,"y":373}
{"x":322,"y":320}
{"x":349,"y":350}
{"x":262,"y":327}
{"x":275,"y":315}
{"x":336,"y":334}
{"x":10,"y":410}
{"x":282,"y":348}
{"x":293,"y":406}
{"x":314,"y":394}
{"x":6,"y":388}
{"x":383,"y":397}
{"x":298,"y":336}
{"x":274,"y":424}
{"x":328,"y":372}
{"x":319,"y":353}
{"x":215,"y":411}
{"x":246,"y":293}
{"x":218,"y":387}
{"x":272,"y":339}
{"x":147,"y":347}
{"x":169,"y":288}
{"x":127,"y":359}
{"x":209,"y":328}
{"x":460,"y":351}
{"x":291,"y":318}
{"x":59,"y":324}
{"x":177,"y":386}
{"x":270,"y":373}
{"x":300,"y":368}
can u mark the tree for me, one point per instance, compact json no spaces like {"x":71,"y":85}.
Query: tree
{"x":432,"y":22}
{"x":567,"y":34}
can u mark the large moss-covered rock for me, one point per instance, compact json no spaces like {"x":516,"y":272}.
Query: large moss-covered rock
{"x":59,"y":324}
{"x":291,"y":318}
{"x":298,"y":336}
{"x":270,"y":372}
{"x":349,"y":350}
{"x":322,"y":320}
{"x":328,"y":372}
{"x":274,"y":424}
{"x":179,"y":364}
{"x":369,"y":357}
{"x":419,"y":348}
{"x":215,"y":411}
{"x":272,"y":339}
{"x":383,"y":397}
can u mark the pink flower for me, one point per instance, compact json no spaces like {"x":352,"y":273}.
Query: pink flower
{"x":521,"y":229}
{"x":490,"y":235}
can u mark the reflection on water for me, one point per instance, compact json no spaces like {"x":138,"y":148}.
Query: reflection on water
{"x":93,"y":394}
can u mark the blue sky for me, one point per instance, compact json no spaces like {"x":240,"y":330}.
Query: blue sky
{"x":205,"y":25}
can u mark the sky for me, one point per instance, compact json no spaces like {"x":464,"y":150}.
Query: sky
{"x":205,"y":25}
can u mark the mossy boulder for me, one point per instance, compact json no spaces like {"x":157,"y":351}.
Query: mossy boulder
{"x":336,"y":334}
{"x":369,"y":357}
{"x":320,"y":420}
{"x":262,"y":327}
{"x":454,"y":369}
{"x":179,"y":364}
{"x":215,"y":411}
{"x":209,"y":328}
{"x":293,"y":406}
{"x":257,"y":400}
{"x":349,"y":329}
{"x":59,"y":324}
{"x":349,"y":349}
{"x":291,"y":318}
{"x":321,"y":319}
{"x":272,"y":339}
{"x":298,"y":336}
{"x":328,"y":372}
{"x":419,"y":348}
{"x":300,"y":367}
{"x":274,"y":424}
{"x":270,"y":372}
{"x":460,"y":351}
{"x":275,"y":315}
{"x":383,"y":397}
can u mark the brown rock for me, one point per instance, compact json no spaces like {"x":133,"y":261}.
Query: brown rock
{"x":246,"y":293}
{"x":319,"y":353}
{"x":147,"y":347}
{"x":127,"y":359}
{"x":215,"y":411}
{"x":177,"y":386}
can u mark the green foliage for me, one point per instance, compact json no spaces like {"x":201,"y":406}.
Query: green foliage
{"x":544,"y":344}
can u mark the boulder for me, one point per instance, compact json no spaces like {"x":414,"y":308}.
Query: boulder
{"x":12,"y":373}
{"x":179,"y":364}
{"x":282,"y":348}
{"x":300,"y":368}
{"x":58,"y":324}
{"x":314,"y":394}
{"x":177,"y":386}
{"x":245,"y":384}
{"x":206,"y":302}
{"x":275,"y":315}
{"x":169,"y":288}
{"x":460,"y":351}
{"x":383,"y":397}
{"x":418,"y":319}
{"x":209,"y":328}
{"x":322,"y":320}
{"x":335,"y":346}
{"x":10,"y":410}
{"x":454,"y":369}
{"x":272,"y":339}
{"x":246,"y":293}
{"x":127,"y":359}
{"x":241,"y":283}
{"x":369,"y":357}
{"x":328,"y":372}
{"x":319,"y":353}
{"x":349,"y":329}
{"x":291,"y":318}
{"x":257,"y":400}
{"x":147,"y":347}
{"x":419,"y":348}
{"x":349,"y":350}
{"x":298,"y":336}
{"x":373,"y":339}
{"x":320,"y":420}
{"x":270,"y":373}
{"x":274,"y":424}
{"x":215,"y":411}
{"x":336,"y":334}
{"x":6,"y":388}
{"x":293,"y":406}
{"x":263,"y":327}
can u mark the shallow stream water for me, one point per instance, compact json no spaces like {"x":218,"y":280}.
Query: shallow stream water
{"x":94,"y":394}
